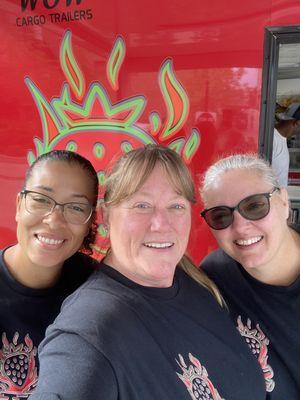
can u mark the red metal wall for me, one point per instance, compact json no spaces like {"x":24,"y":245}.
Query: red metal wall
{"x":104,"y":76}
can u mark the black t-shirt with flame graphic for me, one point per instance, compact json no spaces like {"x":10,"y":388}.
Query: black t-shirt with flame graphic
{"x":25,"y":313}
{"x":117,"y":340}
{"x":267,"y":317}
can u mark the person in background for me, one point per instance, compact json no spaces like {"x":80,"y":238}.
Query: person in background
{"x":55,"y":226}
{"x":141,"y":327}
{"x":287,"y":126}
{"x":257,"y":266}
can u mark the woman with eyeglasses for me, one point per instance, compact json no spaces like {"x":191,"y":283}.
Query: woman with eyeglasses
{"x":258,"y":264}
{"x":55,"y":225}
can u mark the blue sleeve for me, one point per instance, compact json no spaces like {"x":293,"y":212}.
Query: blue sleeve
{"x":72,"y":369}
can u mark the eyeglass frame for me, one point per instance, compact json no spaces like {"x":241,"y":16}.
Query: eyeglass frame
{"x":24,"y":193}
{"x":268,"y":196}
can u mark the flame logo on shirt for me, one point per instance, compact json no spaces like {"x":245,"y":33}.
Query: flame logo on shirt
{"x":18,"y":370}
{"x":258,"y":343}
{"x":196,"y":380}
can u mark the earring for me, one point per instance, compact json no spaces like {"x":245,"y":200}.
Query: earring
{"x":106,"y":230}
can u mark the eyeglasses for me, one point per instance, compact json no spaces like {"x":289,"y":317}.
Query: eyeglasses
{"x":39,"y":204}
{"x":253,"y":208}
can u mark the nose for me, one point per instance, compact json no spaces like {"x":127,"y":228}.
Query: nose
{"x":55,"y":217}
{"x":160,"y":220}
{"x":239,"y":222}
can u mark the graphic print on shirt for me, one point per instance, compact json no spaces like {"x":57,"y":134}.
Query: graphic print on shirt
{"x":18,"y":370}
{"x":195,"y":378}
{"x":258,"y":343}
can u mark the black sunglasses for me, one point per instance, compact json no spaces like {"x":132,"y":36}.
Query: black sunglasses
{"x":254,"y":207}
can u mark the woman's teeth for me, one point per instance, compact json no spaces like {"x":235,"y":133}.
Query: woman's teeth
{"x":49,"y":241}
{"x":159,"y":245}
{"x":248,"y":242}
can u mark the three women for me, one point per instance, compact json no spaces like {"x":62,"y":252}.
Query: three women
{"x":141,"y":328}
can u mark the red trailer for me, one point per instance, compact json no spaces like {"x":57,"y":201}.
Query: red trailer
{"x":103,"y":77}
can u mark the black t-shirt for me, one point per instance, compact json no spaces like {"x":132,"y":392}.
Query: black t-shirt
{"x":25,"y":313}
{"x":268,"y":318}
{"x":117,"y":340}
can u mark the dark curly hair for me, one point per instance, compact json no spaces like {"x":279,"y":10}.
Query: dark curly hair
{"x":71,"y":157}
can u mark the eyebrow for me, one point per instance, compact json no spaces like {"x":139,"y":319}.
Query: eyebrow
{"x":46,"y":188}
{"x":175,"y":197}
{"x":50,"y":190}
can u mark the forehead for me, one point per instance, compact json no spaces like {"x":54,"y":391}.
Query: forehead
{"x":60,"y":176}
{"x":232,"y":186}
{"x":158,"y":181}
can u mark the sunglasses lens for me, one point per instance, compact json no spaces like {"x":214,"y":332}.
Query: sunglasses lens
{"x":219,"y":217}
{"x":255,"y":207}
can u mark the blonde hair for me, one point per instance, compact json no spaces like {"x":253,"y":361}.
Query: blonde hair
{"x":132,"y":170}
{"x":200,"y":277}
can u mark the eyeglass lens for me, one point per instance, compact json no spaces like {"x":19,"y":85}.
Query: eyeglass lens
{"x":39,"y":204}
{"x":253,"y":208}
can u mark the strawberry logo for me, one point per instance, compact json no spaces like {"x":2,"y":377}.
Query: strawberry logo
{"x":86,"y":120}
{"x":196,"y":380}
{"x":18,"y":370}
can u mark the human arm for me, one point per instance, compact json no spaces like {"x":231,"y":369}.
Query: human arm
{"x":72,"y":369}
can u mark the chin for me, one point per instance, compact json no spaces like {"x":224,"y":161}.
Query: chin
{"x":251,"y":264}
{"x":44,"y":262}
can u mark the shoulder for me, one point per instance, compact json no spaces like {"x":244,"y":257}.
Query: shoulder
{"x":221,"y":267}
{"x":216,"y":260}
{"x":100,"y":308}
{"x":95,"y":302}
{"x":279,"y":141}
{"x":76,"y":270}
{"x":82,"y":261}
{"x":278,"y":137}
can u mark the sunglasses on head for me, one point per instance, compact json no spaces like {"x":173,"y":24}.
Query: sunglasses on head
{"x":254,"y":207}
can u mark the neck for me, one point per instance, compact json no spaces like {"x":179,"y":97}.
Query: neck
{"x":285,"y":130}
{"x":27,"y":273}
{"x":286,"y":269}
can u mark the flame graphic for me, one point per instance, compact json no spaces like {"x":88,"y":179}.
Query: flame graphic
{"x":93,"y":111}
{"x":85,"y":114}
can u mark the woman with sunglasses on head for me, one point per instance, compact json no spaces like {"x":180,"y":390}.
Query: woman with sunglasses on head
{"x":55,"y":225}
{"x":257,"y":266}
